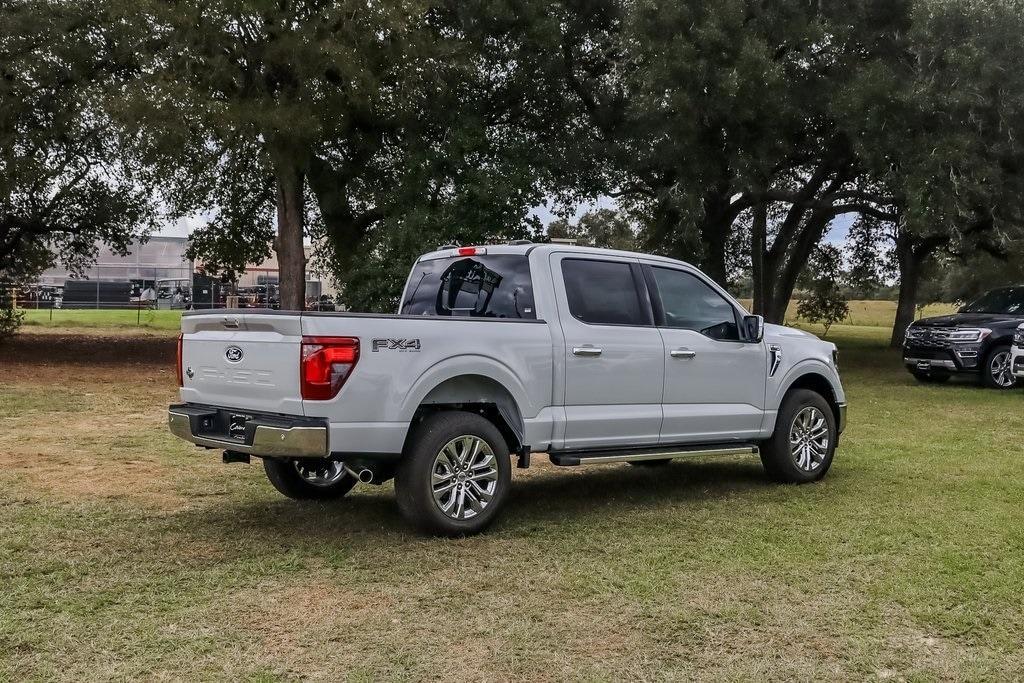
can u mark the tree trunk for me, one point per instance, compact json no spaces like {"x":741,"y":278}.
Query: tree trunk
{"x":910,"y":275}
{"x":758,"y":254}
{"x":291,"y":254}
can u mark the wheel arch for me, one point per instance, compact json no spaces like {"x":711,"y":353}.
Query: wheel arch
{"x":820,"y":384}
{"x":475,"y":393}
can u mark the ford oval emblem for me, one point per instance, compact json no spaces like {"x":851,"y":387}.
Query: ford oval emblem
{"x":233,"y":354}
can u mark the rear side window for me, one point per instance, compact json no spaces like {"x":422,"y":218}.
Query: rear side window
{"x":603,"y":292}
{"x":496,"y":286}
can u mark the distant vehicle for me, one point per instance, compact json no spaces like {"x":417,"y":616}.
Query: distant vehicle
{"x":590,"y":355}
{"x":322,"y":303}
{"x":1017,"y":353}
{"x":976,"y":341}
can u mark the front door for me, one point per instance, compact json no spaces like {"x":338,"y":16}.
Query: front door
{"x":714,"y":382}
{"x":613,"y":353}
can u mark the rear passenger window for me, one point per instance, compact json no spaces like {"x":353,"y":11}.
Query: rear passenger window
{"x":603,"y":292}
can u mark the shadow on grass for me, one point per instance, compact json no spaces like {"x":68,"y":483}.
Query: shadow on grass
{"x":371,"y":514}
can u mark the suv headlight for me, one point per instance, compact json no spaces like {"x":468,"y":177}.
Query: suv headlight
{"x":911,"y":332}
{"x":968,"y":334}
{"x":1018,"y":335}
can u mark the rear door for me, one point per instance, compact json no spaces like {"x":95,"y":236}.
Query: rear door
{"x":714,"y":381}
{"x":613,"y":353}
{"x":246,"y":361}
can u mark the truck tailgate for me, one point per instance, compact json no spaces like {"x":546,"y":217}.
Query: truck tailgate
{"x":244,"y":361}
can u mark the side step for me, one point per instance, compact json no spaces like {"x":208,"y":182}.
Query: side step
{"x":579,"y":458}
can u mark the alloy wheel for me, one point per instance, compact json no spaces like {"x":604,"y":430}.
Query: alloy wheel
{"x":999,"y":367}
{"x":464,"y":477}
{"x":809,"y":438}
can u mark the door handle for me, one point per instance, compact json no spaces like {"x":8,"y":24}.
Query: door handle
{"x":682,"y":353}
{"x":586,"y":351}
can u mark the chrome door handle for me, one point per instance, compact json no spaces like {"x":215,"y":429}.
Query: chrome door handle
{"x":682,"y":353}
{"x":586,"y":351}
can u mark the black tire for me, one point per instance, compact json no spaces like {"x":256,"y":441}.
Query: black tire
{"x":776,"y":453}
{"x":989,"y":376}
{"x":414,"y":486}
{"x":284,"y":475}
{"x":932,"y":377}
{"x":661,"y":462}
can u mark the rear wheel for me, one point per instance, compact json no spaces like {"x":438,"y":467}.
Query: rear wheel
{"x":996,"y":372}
{"x":455,"y":474}
{"x":309,"y":479}
{"x":804,"y":442}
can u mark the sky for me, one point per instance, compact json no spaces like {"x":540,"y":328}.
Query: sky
{"x":837,"y":234}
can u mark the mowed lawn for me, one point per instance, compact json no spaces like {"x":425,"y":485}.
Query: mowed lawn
{"x":128,"y":554}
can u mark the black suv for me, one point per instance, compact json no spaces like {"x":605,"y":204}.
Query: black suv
{"x":976,"y":340}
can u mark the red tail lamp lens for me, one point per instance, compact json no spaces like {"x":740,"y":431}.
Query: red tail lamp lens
{"x":326,"y":363}
{"x":467,"y":251}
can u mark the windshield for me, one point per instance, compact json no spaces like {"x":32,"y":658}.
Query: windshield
{"x":497,"y":286}
{"x":1005,"y":300}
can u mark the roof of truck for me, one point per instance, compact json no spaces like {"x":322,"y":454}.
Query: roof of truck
{"x":546,"y":247}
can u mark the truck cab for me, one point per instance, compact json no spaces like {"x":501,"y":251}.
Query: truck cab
{"x":588,"y":355}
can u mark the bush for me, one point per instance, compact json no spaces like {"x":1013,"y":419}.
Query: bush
{"x":10,"y":317}
{"x":823,"y":300}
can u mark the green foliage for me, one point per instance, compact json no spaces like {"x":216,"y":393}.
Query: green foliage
{"x":66,"y":181}
{"x":10,"y":318}
{"x":823,"y":301}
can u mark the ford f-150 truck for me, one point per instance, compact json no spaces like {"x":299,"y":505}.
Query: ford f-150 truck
{"x":588,"y":355}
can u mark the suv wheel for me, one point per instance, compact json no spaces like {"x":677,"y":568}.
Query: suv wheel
{"x":804,"y":442}
{"x":454,"y":475}
{"x":996,"y":373}
{"x":309,"y":479}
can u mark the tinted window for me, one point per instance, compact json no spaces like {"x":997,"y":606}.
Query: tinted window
{"x":1006,"y":300}
{"x":602,"y":293}
{"x":691,"y":304}
{"x":483,"y":286}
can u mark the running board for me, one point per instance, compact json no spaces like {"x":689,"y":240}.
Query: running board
{"x":574,"y":459}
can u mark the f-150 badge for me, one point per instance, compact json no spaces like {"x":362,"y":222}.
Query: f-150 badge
{"x":396,"y":345}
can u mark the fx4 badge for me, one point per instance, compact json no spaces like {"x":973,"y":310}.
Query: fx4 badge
{"x":396,"y":345}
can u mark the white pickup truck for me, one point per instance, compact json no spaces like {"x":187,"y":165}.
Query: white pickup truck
{"x":588,"y":355}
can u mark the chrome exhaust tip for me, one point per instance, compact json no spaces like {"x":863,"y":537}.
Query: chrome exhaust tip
{"x":364,"y":475}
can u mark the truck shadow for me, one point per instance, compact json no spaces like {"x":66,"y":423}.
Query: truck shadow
{"x":547,"y":495}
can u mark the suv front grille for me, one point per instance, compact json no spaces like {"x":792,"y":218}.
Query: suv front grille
{"x":930,"y":337}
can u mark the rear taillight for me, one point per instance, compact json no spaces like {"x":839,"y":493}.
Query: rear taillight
{"x":325,"y":365}
{"x":181,"y":381}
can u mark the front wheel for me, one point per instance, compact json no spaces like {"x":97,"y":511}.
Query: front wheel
{"x":804,"y":442}
{"x":996,"y":373}
{"x":455,"y":474}
{"x":309,"y":479}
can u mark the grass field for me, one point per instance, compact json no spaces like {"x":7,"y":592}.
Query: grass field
{"x":104,"y":319}
{"x":127,"y":554}
{"x":871,"y":313}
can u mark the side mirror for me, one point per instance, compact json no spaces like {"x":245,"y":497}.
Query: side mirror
{"x":753,"y":328}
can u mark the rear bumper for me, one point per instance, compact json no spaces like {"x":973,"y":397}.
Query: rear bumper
{"x":274,"y":436}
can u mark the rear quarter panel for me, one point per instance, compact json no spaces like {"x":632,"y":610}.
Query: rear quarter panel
{"x":372,"y":411}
